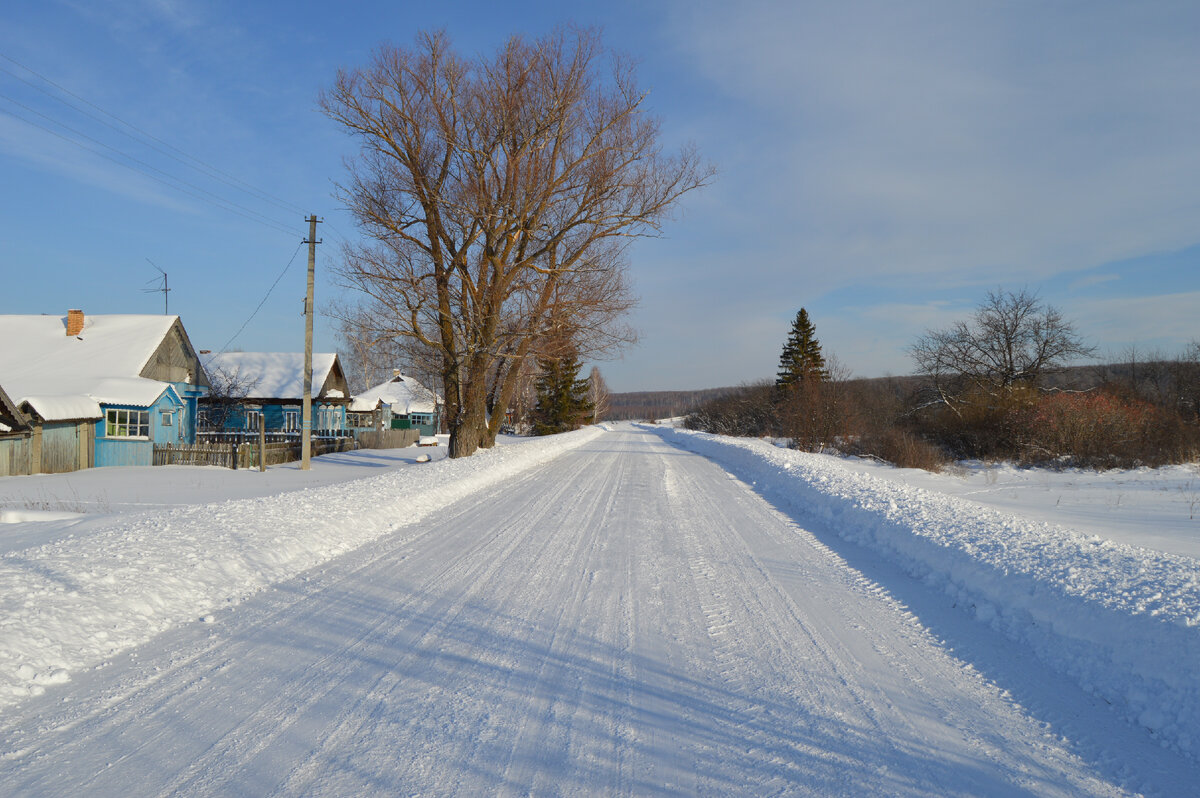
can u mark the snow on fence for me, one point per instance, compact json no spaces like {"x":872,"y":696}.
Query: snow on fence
{"x":1122,"y":622}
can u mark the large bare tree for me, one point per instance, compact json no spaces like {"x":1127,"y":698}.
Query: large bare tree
{"x":1013,"y":340}
{"x":497,"y":196}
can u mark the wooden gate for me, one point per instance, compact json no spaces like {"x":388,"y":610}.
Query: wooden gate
{"x":61,"y":447}
{"x":16,"y":454}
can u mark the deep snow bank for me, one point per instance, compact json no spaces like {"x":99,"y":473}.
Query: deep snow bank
{"x":1124,"y":622}
{"x":72,"y":603}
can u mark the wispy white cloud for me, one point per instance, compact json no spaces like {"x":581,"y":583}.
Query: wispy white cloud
{"x":1091,"y":280}
{"x":43,"y":150}
{"x":1163,"y":320}
{"x":937,"y":138}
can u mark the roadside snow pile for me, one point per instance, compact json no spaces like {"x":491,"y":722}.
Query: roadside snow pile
{"x":73,"y":603}
{"x":1123,"y":622}
{"x":28,"y":516}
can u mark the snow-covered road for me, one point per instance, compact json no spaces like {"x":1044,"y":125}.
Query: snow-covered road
{"x":627,"y":619}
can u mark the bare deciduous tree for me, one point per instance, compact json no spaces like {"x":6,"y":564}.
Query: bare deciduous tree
{"x":228,"y":387}
{"x":597,"y":394}
{"x":1013,"y":340}
{"x":496,"y":194}
{"x":371,"y":354}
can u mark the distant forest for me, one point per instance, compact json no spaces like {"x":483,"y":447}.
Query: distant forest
{"x":651,"y":405}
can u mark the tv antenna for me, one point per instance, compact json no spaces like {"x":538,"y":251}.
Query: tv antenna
{"x":162,"y":286}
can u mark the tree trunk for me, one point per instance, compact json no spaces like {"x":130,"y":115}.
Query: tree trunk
{"x":470,"y":430}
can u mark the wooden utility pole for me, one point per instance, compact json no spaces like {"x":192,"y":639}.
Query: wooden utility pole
{"x":306,"y":420}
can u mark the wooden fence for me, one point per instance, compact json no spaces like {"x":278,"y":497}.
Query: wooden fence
{"x":245,"y":455}
{"x":386,"y":439}
{"x":217,"y":454}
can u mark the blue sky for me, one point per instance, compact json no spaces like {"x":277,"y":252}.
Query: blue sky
{"x":881,"y":164}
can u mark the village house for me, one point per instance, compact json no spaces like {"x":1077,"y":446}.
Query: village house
{"x":268,"y":387}
{"x":400,"y":403}
{"x":83,"y":391}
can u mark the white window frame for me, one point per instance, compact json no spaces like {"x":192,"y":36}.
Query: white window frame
{"x":253,"y":416}
{"x":122,"y":422}
{"x":291,"y":420}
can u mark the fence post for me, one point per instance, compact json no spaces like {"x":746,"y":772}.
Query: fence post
{"x":233,"y":456}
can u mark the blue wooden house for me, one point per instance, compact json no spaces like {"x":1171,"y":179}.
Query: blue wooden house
{"x":400,"y":403}
{"x":100,"y":390}
{"x":250,"y":387}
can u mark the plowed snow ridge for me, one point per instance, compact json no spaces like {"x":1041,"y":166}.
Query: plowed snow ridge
{"x":1123,"y":622}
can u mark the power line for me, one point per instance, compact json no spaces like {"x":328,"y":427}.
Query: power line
{"x":203,"y":167}
{"x":195,"y":191}
{"x":264,"y":300}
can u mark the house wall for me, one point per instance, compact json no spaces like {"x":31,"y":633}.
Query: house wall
{"x":380,"y":418}
{"x":120,"y":451}
{"x":326,"y":416}
{"x":176,"y":362}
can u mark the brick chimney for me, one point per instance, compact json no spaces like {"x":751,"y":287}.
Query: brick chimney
{"x":74,"y":322}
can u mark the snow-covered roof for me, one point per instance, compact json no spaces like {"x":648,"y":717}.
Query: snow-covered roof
{"x":276,"y":375}
{"x":63,"y":406}
{"x":403,"y":393}
{"x":64,"y":377}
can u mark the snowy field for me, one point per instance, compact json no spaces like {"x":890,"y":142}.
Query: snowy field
{"x":96,"y":494}
{"x":1156,"y":508}
{"x":600,"y":612}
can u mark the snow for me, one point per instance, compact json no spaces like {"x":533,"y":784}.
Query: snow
{"x":403,"y":393}
{"x":60,"y":408}
{"x":61,"y":375}
{"x":274,"y":375}
{"x":599,"y":613}
{"x":26,"y":516}
{"x":1121,"y":621}
{"x":84,"y":595}
{"x":1157,"y":508}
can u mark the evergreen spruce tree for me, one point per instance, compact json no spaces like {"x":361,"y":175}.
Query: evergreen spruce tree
{"x":562,"y":398}
{"x":801,"y":358}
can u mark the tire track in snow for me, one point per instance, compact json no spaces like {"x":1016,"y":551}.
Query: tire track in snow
{"x":627,"y":621}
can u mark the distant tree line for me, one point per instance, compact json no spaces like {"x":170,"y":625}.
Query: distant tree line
{"x":999,"y":385}
{"x":653,"y":405}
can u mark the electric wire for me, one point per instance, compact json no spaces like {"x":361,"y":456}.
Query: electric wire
{"x":196,"y":163}
{"x":196,"y":191}
{"x":232,"y":338}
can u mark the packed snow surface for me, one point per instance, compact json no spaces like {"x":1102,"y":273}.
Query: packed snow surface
{"x":604,"y":612}
{"x":71,"y":603}
{"x":1122,"y":621}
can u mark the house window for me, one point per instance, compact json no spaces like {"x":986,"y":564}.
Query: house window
{"x":253,"y":419}
{"x":291,"y":420}
{"x":202,"y":418}
{"x":329,"y":418}
{"x":127,"y":423}
{"x":168,"y":418}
